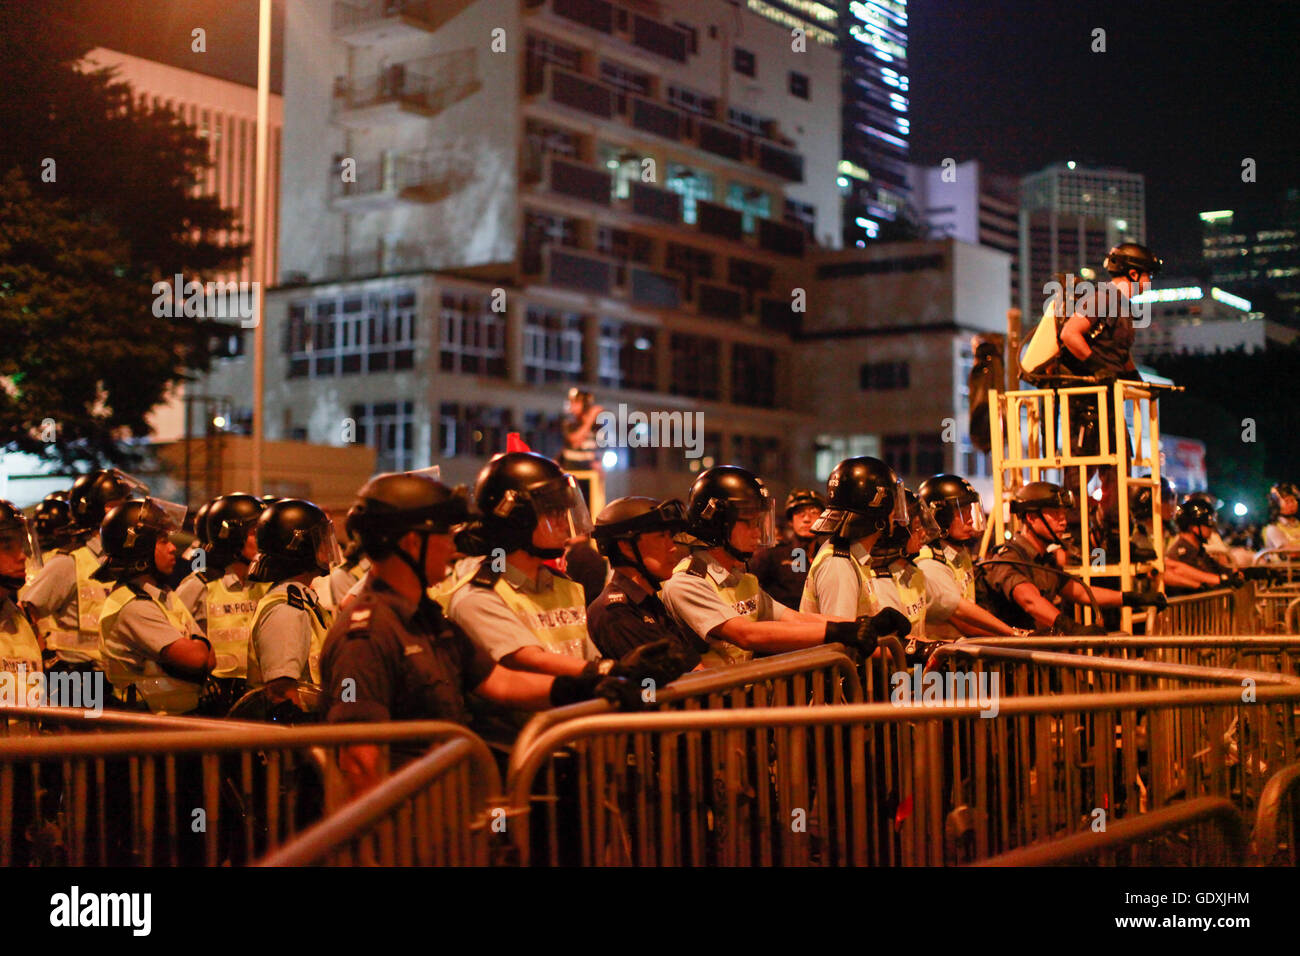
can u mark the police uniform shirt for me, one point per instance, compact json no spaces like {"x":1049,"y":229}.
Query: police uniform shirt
{"x":192,"y":592}
{"x":836,"y":584}
{"x":405,"y":660}
{"x":283,"y":637}
{"x":698,"y":606}
{"x":1282,"y":535}
{"x":1194,"y":553}
{"x":491,"y":624}
{"x":626,"y":616}
{"x":141,"y":633}
{"x":998,"y":581}
{"x":774,"y":568}
{"x":941,"y":586}
{"x":54,"y":592}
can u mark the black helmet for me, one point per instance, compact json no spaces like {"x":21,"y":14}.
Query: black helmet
{"x":863,"y":496}
{"x":129,"y":534}
{"x":1040,"y":495}
{"x":626,"y":519}
{"x":920,"y":520}
{"x":200,"y":524}
{"x":294,"y":537}
{"x":1194,"y":513}
{"x":803,"y":498}
{"x":720,"y":497}
{"x":948,"y":495}
{"x":92,"y":495}
{"x":389,"y":506}
{"x":1128,"y":256}
{"x":1139,"y":496}
{"x":515,"y":489}
{"x":226,"y":525}
{"x":16,"y":532}
{"x":53,"y":521}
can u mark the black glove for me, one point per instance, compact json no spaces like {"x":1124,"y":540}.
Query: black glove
{"x":619,"y":691}
{"x":1143,"y":600}
{"x":1234,"y":580}
{"x":865,"y":633}
{"x":660,"y":661}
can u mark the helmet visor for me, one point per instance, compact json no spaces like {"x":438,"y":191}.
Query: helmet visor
{"x":762,"y":518}
{"x":18,"y":541}
{"x":321,"y":543}
{"x":973,"y":514}
{"x":559,"y":505}
{"x":924,"y":522}
{"x":898,"y":513}
{"x":433,"y":473}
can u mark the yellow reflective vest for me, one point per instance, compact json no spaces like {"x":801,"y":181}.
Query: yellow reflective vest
{"x":318,"y":617}
{"x":230,"y":622}
{"x":163,"y":693}
{"x":742,"y":597}
{"x":83,"y":644}
{"x":557,"y":616}
{"x":868,"y":602}
{"x":957,"y":560}
{"x":910,"y":581}
{"x":20,"y":651}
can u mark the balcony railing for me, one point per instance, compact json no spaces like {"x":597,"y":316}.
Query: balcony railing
{"x":422,"y":87}
{"x":387,"y":259}
{"x":719,"y":220}
{"x":655,"y":203}
{"x":576,"y":270}
{"x":580,"y":181}
{"x":719,"y":302}
{"x":579,"y":93}
{"x":616,"y":20}
{"x":654,"y":289}
{"x":778,"y":237}
{"x":409,"y":177}
{"x":783,"y":162}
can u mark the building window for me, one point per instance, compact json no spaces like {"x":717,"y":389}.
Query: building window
{"x":389,"y":428}
{"x":757,"y":453}
{"x":552,"y":346}
{"x":541,"y":51}
{"x":624,"y":77}
{"x":830,"y":450}
{"x":744,"y":63}
{"x":472,"y":338}
{"x":543,"y":229}
{"x":476,"y":430}
{"x":883,"y":376}
{"x":799,"y":85}
{"x":695,"y":361}
{"x":801,"y":214}
{"x":929,"y":455}
{"x":897,"y":453}
{"x":627,"y":356}
{"x":351,"y":334}
{"x":693,"y":101}
{"x":752,"y":203}
{"x":692,"y":36}
{"x":690,"y":184}
{"x":544,"y":432}
{"x":753,"y":376}
{"x":711,"y":454}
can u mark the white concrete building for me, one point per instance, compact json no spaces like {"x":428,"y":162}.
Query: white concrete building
{"x":1188,"y":317}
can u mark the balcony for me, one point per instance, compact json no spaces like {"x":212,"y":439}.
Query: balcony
{"x":720,"y":221}
{"x":782,"y":162}
{"x":398,"y":178}
{"x":579,"y":181}
{"x":621,"y":23}
{"x":579,"y":93}
{"x":662,"y":121}
{"x":778,"y":315}
{"x":721,"y":141}
{"x":654,"y":289}
{"x":583,"y":272}
{"x":778,"y":237}
{"x":360,"y":23}
{"x":655,"y":203}
{"x":407,"y":91}
{"x":386,"y":259}
{"x":719,"y":302}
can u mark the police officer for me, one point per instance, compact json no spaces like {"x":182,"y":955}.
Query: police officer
{"x":729,"y":514}
{"x":20,"y":646}
{"x":404,"y":659}
{"x":295,"y":543}
{"x":66,"y":594}
{"x":783,"y":569}
{"x":636,"y":535}
{"x":524,"y":613}
{"x":579,"y":452}
{"x":155,"y":655}
{"x":1021,"y":581}
{"x":1283,"y":532}
{"x":1195,"y":522}
{"x":946,"y":561}
{"x":53,"y":523}
{"x":221,"y":597}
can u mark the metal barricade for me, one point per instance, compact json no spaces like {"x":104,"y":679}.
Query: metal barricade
{"x":771,"y":792}
{"x":1273,"y":599}
{"x":1223,"y":611}
{"x":1277,"y":824}
{"x":1204,"y":832}
{"x":176,"y":796}
{"x":1280,"y":654}
{"x":815,"y":677}
{"x":430,"y":813}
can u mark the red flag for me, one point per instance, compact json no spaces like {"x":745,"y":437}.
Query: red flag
{"x":515,"y":443}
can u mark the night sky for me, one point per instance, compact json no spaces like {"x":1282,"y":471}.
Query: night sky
{"x":1184,"y":91}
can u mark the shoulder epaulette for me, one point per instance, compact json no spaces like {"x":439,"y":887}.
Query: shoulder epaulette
{"x":359,"y":621}
{"x":140,"y":593}
{"x":841,"y":551}
{"x":295,"y":598}
{"x":698,"y":566}
{"x":485,"y":576}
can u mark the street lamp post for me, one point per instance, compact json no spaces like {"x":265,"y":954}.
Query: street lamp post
{"x":261,"y":256}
